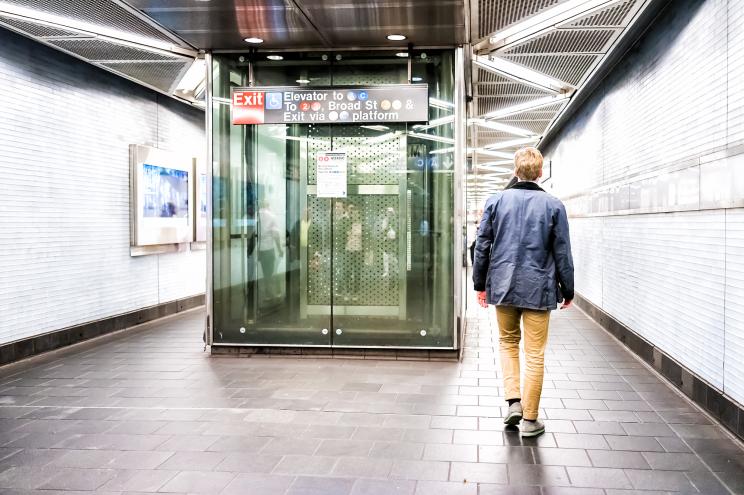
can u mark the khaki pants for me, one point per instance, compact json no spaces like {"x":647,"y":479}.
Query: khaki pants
{"x":535,"y":339}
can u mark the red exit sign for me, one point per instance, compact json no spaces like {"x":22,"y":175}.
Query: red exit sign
{"x":247,"y":107}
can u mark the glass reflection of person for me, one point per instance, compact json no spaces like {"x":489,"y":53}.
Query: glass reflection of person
{"x":389,"y":236}
{"x":270,"y":246}
{"x":354,"y":255}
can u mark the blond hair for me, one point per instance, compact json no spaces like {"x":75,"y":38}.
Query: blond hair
{"x":528,"y":163}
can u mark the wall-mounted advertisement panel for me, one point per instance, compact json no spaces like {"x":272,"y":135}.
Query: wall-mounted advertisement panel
{"x":161,"y":197}
{"x":337,"y":105}
{"x":200,"y":198}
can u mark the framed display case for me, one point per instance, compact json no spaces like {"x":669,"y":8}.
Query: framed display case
{"x":162,"y":195}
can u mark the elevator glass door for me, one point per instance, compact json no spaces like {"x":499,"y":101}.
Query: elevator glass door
{"x":365,"y":243}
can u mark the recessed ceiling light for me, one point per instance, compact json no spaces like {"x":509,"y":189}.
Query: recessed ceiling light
{"x":401,"y":54}
{"x":303,"y":81}
{"x":396,"y":37}
{"x":275,"y":57}
{"x":253,"y":40}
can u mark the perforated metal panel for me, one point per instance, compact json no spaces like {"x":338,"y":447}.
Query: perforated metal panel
{"x":370,"y":160}
{"x":496,"y":15}
{"x":736,"y":71}
{"x":319,"y":251}
{"x":610,"y":17}
{"x":567,"y":68}
{"x":563,"y":41}
{"x":96,"y":49}
{"x":162,"y":75}
{"x":34,"y":29}
{"x":376,"y":265}
{"x":96,"y":12}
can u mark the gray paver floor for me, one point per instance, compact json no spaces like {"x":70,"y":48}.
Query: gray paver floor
{"x":148,"y":411}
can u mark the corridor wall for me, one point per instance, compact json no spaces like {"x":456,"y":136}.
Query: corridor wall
{"x":651,"y":168}
{"x":65,"y":130}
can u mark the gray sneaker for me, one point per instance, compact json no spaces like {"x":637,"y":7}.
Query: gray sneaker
{"x":514,"y":415}
{"x":533,"y":428}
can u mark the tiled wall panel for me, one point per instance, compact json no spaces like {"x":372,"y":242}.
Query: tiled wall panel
{"x":736,"y":71}
{"x":734,"y":363}
{"x":664,"y":226}
{"x":65,"y":128}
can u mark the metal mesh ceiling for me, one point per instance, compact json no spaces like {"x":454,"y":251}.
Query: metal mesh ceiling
{"x":37,"y":30}
{"x":565,"y":41}
{"x":97,"y":12}
{"x":494,"y":15}
{"x":567,"y":68}
{"x":162,"y":75}
{"x":96,"y":49}
{"x":105,"y":33}
{"x":612,"y":17}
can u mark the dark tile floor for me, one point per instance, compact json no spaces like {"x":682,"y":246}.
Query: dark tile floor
{"x":149,"y":411}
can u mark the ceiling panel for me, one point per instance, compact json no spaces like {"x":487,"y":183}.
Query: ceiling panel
{"x":224,"y":24}
{"x":567,"y":68}
{"x":612,"y":17}
{"x":562,"y":41}
{"x":495,"y":15}
{"x":97,"y":12}
{"x":36,"y":29}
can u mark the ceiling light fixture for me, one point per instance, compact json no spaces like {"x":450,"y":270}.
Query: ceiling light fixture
{"x":396,"y":37}
{"x":303,"y":81}
{"x":401,"y":54}
{"x":416,"y":79}
{"x":255,"y":41}
{"x":275,"y":57}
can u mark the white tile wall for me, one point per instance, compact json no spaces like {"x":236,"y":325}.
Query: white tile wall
{"x":675,"y":278}
{"x":734,"y":362}
{"x":65,"y":128}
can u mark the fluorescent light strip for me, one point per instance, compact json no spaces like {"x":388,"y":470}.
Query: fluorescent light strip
{"x":510,"y":143}
{"x":497,"y":154}
{"x":498,"y":126}
{"x":442,"y":150}
{"x":430,"y":137}
{"x":435,"y":123}
{"x":524,"y":107}
{"x":194,"y":77}
{"x":522,"y":74}
{"x":436,"y":102}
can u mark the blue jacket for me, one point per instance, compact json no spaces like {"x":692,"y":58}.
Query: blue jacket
{"x":523,"y":251}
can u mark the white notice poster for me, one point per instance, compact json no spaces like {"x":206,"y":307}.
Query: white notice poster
{"x":331,"y":173}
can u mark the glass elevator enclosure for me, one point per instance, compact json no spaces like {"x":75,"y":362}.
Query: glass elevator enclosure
{"x":374,"y":269}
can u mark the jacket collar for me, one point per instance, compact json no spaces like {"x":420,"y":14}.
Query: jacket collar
{"x":531,"y":186}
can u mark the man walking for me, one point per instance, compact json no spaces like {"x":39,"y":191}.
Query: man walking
{"x":523,"y":266}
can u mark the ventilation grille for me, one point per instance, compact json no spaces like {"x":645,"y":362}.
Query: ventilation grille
{"x":96,"y":49}
{"x":611,"y":17}
{"x":575,"y":41}
{"x":37,"y":30}
{"x":496,"y":15}
{"x":567,"y":68}
{"x":96,"y":12}
{"x":161,"y":75}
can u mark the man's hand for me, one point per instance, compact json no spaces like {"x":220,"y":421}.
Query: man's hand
{"x":566,"y":304}
{"x":482,"y":298}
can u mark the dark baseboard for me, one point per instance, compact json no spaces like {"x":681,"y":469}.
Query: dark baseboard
{"x":338,"y":353}
{"x":21,"y":349}
{"x":729,"y":413}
